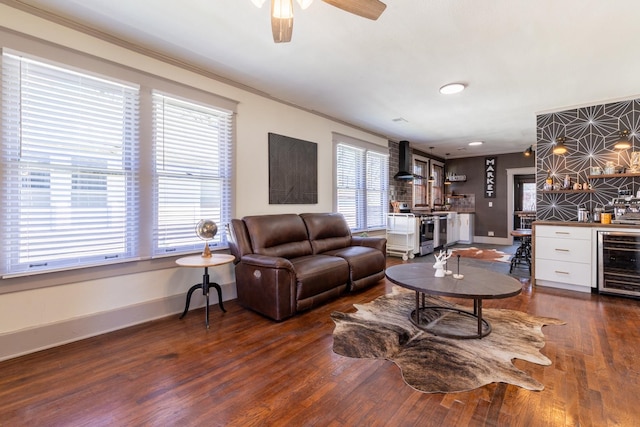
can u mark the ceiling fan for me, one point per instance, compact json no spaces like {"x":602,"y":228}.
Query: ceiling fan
{"x":282,"y":13}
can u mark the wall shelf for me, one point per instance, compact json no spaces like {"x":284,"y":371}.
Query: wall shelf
{"x":614,"y":175}
{"x":566,"y":191}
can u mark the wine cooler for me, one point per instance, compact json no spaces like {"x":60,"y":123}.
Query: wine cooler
{"x":619,"y":263}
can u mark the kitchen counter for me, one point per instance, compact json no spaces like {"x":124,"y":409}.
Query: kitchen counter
{"x":443,"y":212}
{"x":585,"y":224}
{"x":565,"y":253}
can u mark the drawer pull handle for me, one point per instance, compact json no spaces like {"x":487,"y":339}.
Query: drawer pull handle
{"x":562,"y":250}
{"x":562,"y":272}
{"x":562,"y":232}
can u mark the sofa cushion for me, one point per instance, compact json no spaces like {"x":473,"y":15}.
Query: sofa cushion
{"x":317,"y":274}
{"x":283,"y":235}
{"x":363,"y":261}
{"x":327,"y":231}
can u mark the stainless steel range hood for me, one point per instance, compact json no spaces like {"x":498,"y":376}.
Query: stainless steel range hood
{"x":404,"y":163}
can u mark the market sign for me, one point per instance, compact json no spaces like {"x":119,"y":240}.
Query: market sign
{"x":490,"y":177}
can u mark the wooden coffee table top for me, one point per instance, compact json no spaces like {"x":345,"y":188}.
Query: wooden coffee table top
{"x":477,"y":283}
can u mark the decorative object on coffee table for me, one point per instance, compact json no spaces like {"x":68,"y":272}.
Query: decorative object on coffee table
{"x":440,"y":264}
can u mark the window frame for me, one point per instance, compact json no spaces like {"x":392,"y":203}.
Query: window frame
{"x":170,"y":166}
{"x":69,"y":58}
{"x":362,"y":214}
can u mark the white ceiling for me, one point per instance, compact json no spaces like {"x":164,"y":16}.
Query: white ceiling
{"x":517,"y":57}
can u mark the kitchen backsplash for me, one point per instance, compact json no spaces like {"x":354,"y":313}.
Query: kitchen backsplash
{"x":590,"y":134}
{"x":463,"y":203}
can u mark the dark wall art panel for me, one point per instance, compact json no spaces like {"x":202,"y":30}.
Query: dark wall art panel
{"x":293,"y":170}
{"x":590,"y":135}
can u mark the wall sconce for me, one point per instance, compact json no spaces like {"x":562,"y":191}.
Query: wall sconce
{"x":560,"y":147}
{"x":529,"y":151}
{"x":623,"y":143}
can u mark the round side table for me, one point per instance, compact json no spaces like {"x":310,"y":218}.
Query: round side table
{"x":198,"y":261}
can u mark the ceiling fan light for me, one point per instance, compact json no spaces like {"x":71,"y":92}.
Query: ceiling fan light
{"x":258,"y":3}
{"x":282,"y":9}
{"x":304,"y":3}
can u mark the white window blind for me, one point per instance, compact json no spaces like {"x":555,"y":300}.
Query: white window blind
{"x":69,"y":168}
{"x":362,"y":183}
{"x":192,"y":151}
{"x":377,"y":177}
{"x":350,"y":184}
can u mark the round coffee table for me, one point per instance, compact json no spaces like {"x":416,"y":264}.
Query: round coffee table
{"x":477,"y":284}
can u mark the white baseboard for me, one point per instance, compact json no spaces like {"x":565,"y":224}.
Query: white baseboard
{"x":566,"y":286}
{"x":491,"y":240}
{"x":30,"y":340}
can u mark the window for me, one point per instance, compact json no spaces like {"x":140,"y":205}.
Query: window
{"x":420,"y":188}
{"x":437,"y":186}
{"x":192,"y":147}
{"x":80,"y":186}
{"x":362,"y":183}
{"x":69,"y":167}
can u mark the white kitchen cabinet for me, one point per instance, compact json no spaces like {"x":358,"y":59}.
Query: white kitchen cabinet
{"x":563,"y":256}
{"x":465,"y":221}
{"x":453,"y":228}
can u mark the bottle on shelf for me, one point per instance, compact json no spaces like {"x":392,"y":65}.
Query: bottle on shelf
{"x":548,"y":183}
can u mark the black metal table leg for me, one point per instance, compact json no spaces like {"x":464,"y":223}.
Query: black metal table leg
{"x":477,"y":310}
{"x":186,"y":306}
{"x":205,"y":285}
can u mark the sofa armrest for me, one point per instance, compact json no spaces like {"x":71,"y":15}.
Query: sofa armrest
{"x":267,"y":285}
{"x":265,"y":261}
{"x":379,"y":243}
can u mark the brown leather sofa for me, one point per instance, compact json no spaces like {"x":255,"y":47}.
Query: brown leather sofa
{"x":288,"y":263}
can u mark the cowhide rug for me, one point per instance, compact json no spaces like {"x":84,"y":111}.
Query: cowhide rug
{"x":482,"y":254}
{"x":381,"y":329}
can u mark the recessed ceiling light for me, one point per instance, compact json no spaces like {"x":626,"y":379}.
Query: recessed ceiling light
{"x":452,"y":88}
{"x":475,"y":143}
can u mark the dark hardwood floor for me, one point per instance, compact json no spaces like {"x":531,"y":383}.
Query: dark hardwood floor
{"x":249,"y":371}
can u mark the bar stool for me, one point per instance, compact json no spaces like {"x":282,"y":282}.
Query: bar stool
{"x":523,"y":253}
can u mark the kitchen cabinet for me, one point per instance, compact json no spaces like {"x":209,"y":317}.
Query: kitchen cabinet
{"x":465,"y":221}
{"x":563,"y":257}
{"x":453,"y":228}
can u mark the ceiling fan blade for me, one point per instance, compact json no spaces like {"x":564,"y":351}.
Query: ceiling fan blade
{"x":282,"y":20}
{"x":370,"y":9}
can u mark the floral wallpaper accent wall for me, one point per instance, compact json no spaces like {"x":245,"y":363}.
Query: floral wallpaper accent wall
{"x":590,"y":134}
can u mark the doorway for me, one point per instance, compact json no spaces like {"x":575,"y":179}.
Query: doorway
{"x":524,"y":200}
{"x":511,"y":174}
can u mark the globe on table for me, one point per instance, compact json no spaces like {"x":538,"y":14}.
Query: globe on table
{"x":206,"y":229}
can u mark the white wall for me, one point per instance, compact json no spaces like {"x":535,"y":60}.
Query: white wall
{"x":40,"y":318}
